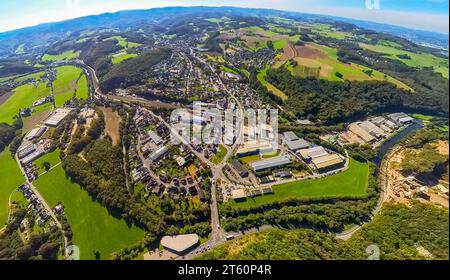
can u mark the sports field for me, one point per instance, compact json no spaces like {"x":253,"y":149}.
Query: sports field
{"x":94,"y":229}
{"x":68,"y":55}
{"x":350,"y":183}
{"x":11,"y":179}
{"x":440,"y":65}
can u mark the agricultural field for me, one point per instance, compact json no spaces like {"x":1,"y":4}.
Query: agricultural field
{"x":313,"y":58}
{"x":124,"y":43}
{"x":350,"y":183}
{"x":23,"y":97}
{"x":327,"y":30}
{"x":256,"y":38}
{"x":94,"y":229}
{"x":122,"y":56}
{"x":20,"y":78}
{"x":68,"y":55}
{"x":66,"y":84}
{"x":82,"y":88}
{"x":11,"y":179}
{"x":440,"y":65}
{"x":261,"y":78}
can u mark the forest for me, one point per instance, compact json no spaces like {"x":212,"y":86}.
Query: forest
{"x":336,"y":102}
{"x":132,"y":71}
{"x":398,"y":231}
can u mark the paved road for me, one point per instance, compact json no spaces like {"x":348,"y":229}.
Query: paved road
{"x":382,"y":199}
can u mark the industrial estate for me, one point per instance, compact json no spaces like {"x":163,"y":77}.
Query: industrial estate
{"x":90,"y":156}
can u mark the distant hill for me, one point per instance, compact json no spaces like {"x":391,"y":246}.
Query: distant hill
{"x":49,"y":32}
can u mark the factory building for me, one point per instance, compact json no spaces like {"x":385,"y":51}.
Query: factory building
{"x":270,"y":163}
{"x":156,"y":155}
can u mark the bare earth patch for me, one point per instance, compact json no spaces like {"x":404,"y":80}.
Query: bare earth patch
{"x":4,"y":97}
{"x":112,"y":124}
{"x":307,"y":51}
{"x":442,"y":147}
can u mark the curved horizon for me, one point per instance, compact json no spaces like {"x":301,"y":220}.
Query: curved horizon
{"x":437,"y":22}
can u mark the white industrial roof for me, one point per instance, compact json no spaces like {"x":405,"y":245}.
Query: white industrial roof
{"x":179,"y":243}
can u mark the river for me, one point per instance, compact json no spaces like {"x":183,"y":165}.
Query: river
{"x":388,"y":144}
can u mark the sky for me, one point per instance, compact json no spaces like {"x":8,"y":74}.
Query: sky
{"x":431,"y":15}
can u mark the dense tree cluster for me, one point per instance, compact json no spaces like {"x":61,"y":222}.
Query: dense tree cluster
{"x":7,"y":134}
{"x":133,"y":71}
{"x":334,"y":102}
{"x":398,"y":232}
{"x":424,"y":161}
{"x":102,"y":176}
{"x":82,"y":138}
{"x":42,"y":246}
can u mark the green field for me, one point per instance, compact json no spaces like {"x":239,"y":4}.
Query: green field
{"x":66,"y":83}
{"x":20,"y":78}
{"x":20,"y":49}
{"x":52,"y":158}
{"x":326,"y":30}
{"x":228,"y":69}
{"x":422,"y":117}
{"x":261,"y":78}
{"x":303,"y":71}
{"x":218,"y":20}
{"x":250,"y":159}
{"x":94,"y":229}
{"x":329,"y":65}
{"x":350,"y":183}
{"x":68,"y":55}
{"x":279,"y":44}
{"x":440,"y":65}
{"x":81,"y":40}
{"x":23,"y":97}
{"x":83,"y":88}
{"x":11,"y":179}
{"x":123,"y":42}
{"x":120,"y":57}
{"x":220,"y":155}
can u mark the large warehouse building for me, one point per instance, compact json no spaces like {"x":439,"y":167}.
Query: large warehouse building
{"x":180,"y":244}
{"x":270,"y":163}
{"x":328,"y":162}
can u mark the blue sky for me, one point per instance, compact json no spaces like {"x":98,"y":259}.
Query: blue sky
{"x":419,"y":14}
